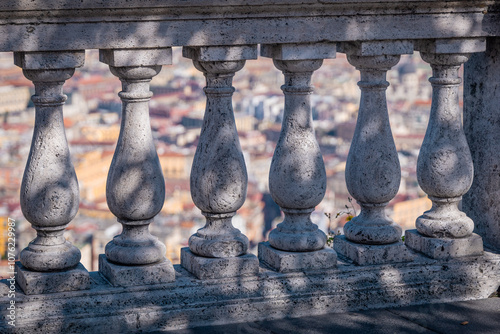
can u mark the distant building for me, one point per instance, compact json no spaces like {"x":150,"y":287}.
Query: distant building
{"x":101,"y":133}
{"x":245,"y":122}
{"x":10,"y":179}
{"x":13,"y":98}
{"x":92,"y":171}
{"x":3,"y":236}
{"x":405,"y":213}
{"x":176,"y":165}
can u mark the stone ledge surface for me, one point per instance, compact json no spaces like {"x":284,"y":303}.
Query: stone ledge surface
{"x":437,"y":248}
{"x":119,"y":25}
{"x":157,"y":273}
{"x":190,"y":302}
{"x":34,"y":283}
{"x":372,"y":254}
{"x":283,"y":262}
{"x":205,"y":267}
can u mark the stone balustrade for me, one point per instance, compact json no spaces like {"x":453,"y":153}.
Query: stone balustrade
{"x":295,"y":273}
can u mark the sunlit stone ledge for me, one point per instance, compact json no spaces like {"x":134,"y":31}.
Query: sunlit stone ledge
{"x":190,"y":302}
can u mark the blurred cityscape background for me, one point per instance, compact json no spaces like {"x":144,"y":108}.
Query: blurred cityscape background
{"x":92,"y":121}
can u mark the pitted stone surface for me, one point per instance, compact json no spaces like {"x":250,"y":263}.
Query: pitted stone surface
{"x":284,"y":262}
{"x":447,"y":222}
{"x":221,"y":53}
{"x":444,"y":166}
{"x":119,"y":24}
{"x":49,"y":60}
{"x":5,"y":288}
{"x":50,"y":256}
{"x":219,"y":177}
{"x":372,"y":254}
{"x":49,"y":190}
{"x":206,"y":267}
{"x":481,"y":120}
{"x":218,"y":238}
{"x":297,"y":179}
{"x":444,"y":248}
{"x":190,"y":302}
{"x":136,"y":57}
{"x":377,"y":48}
{"x":117,"y":275}
{"x":135,"y":188}
{"x":36,"y":283}
{"x":304,"y":51}
{"x":452,"y":45}
{"x":373,"y":172}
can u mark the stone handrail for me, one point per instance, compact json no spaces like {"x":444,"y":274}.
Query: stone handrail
{"x":134,"y":38}
{"x":45,"y":25}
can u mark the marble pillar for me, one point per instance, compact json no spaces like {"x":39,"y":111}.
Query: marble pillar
{"x":373,"y":173}
{"x":135,"y":189}
{"x":49,"y":190}
{"x":444,"y":167}
{"x":218,"y":174}
{"x":297,"y":179}
{"x":481,"y":119}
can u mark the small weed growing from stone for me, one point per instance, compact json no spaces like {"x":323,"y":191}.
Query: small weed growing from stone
{"x":350,"y":211}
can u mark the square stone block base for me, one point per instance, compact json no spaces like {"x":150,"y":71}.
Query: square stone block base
{"x":372,"y":254}
{"x":36,"y":283}
{"x":208,"y":267}
{"x":437,"y":248}
{"x":283,"y":261}
{"x":118,"y":275}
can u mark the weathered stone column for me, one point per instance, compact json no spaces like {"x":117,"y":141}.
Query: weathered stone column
{"x":444,"y":168}
{"x":481,"y":119}
{"x":49,"y":190}
{"x":218,"y":175}
{"x":297,"y":179}
{"x":373,"y":173}
{"x":135,"y":189}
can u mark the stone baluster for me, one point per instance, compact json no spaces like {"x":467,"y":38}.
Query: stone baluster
{"x":49,"y":190}
{"x":373,"y":172}
{"x":444,"y":167}
{"x":218,"y":174}
{"x":297,"y":179}
{"x":135,"y":189}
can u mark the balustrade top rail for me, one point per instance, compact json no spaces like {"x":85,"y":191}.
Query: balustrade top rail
{"x":50,"y":25}
{"x":134,"y":38}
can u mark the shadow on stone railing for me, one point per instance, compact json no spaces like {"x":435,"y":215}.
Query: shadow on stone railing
{"x":118,"y":24}
{"x":190,"y":302}
{"x":224,"y":284}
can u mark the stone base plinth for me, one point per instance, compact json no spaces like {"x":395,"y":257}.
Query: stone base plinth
{"x":437,"y":248}
{"x":35,"y":282}
{"x":117,"y":275}
{"x":208,"y":267}
{"x":372,"y":254}
{"x":189,"y":302}
{"x":284,"y":262}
